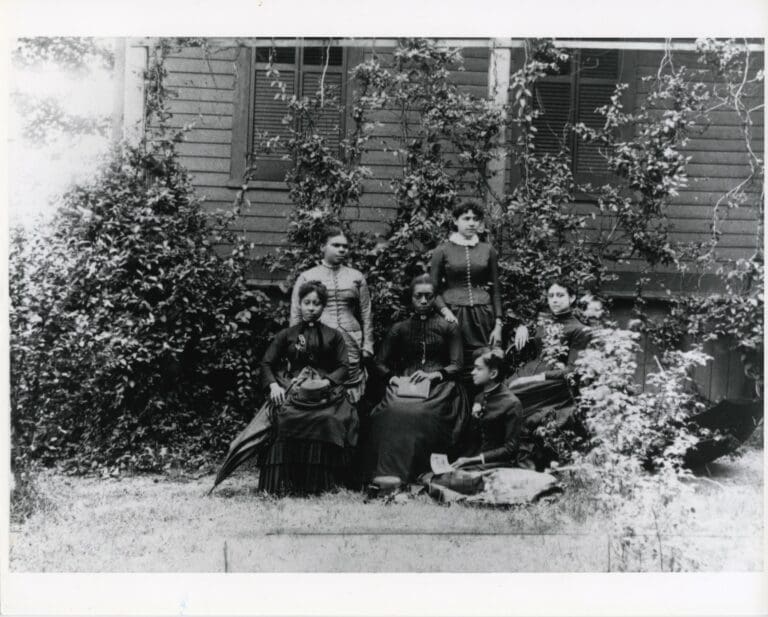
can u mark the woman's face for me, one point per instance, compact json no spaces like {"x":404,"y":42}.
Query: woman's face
{"x":559,"y":299}
{"x":423,"y":298}
{"x":467,"y":224}
{"x":481,"y":374}
{"x":335,"y":249}
{"x":311,"y":307}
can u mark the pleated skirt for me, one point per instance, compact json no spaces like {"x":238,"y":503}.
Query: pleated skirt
{"x":303,"y":467}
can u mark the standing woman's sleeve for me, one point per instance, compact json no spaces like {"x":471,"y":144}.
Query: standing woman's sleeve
{"x":272,"y":357}
{"x":295,"y":314}
{"x":366,"y":315}
{"x":339,"y":373}
{"x":385,"y":364}
{"x":436,"y":273}
{"x":493,"y":264}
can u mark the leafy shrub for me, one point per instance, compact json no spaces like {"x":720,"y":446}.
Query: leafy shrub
{"x":133,"y":342}
{"x":631,"y":433}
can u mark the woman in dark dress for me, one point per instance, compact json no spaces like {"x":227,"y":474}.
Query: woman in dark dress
{"x":497,"y":417}
{"x":544,"y":384}
{"x":304,"y":369}
{"x":498,"y":471}
{"x":405,"y":430}
{"x":463,"y":269}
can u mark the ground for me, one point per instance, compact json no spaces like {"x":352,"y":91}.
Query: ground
{"x":162,"y":524}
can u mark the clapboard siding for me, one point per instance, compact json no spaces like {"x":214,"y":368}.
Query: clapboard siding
{"x":723,"y":375}
{"x":204,"y":82}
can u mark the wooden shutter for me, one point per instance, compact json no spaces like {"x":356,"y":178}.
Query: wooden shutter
{"x":269,"y":112}
{"x":599,"y":71}
{"x":553,"y":99}
{"x":329,"y":118}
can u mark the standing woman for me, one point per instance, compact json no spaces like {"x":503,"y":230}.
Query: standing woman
{"x":349,"y":305}
{"x":304,"y":370}
{"x":462,"y":270}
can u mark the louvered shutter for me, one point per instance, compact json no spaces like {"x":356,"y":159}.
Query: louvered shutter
{"x":598,"y":75}
{"x":553,"y":99}
{"x":269,"y":112}
{"x":328,"y":120}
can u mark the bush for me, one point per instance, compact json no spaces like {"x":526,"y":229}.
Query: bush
{"x":133,"y":342}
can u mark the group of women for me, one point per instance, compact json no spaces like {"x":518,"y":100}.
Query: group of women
{"x":443,"y":372}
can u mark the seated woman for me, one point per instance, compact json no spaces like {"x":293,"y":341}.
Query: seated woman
{"x":497,"y":417}
{"x":304,"y":369}
{"x":499,"y":472}
{"x":407,"y":427}
{"x":543,"y":383}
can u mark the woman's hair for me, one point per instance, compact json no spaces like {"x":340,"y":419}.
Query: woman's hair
{"x":316,"y":286}
{"x":566,"y":284}
{"x":421,"y":279}
{"x":493,"y":359}
{"x":468,"y":205}
{"x":332,"y":231}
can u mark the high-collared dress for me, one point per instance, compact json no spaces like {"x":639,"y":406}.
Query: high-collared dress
{"x":465,"y":274}
{"x":496,"y":425}
{"x":348,"y":311}
{"x":311,"y":450}
{"x":551,"y":399}
{"x":404,"y":432}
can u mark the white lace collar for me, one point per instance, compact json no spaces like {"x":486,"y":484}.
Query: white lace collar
{"x":457,"y":238}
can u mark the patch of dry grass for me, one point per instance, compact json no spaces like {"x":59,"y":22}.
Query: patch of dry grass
{"x":145,"y":523}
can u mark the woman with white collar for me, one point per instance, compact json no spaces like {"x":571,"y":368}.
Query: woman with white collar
{"x":463,"y":269}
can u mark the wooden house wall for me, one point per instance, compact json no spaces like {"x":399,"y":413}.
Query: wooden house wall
{"x":205,"y":85}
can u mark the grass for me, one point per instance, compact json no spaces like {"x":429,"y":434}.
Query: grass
{"x":156,"y":523}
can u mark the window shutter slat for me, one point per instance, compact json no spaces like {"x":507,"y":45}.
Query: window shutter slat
{"x":592,"y":96}
{"x":553,"y":99}
{"x":328,"y":120}
{"x":268,"y":112}
{"x":599,"y":64}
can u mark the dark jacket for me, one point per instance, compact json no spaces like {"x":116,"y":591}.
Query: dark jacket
{"x":422,"y":342}
{"x":303,"y":345}
{"x":499,"y":425}
{"x":462,"y":274}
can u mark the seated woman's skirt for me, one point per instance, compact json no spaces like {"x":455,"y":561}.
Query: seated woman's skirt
{"x":303,"y":467}
{"x":312,"y":448}
{"x":404,"y":432}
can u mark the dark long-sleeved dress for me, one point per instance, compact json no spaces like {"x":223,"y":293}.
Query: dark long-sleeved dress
{"x":497,"y":428}
{"x":462,"y":274}
{"x":311,"y":450}
{"x":553,"y":397}
{"x":404,"y":432}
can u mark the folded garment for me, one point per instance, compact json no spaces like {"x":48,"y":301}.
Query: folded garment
{"x":501,"y":486}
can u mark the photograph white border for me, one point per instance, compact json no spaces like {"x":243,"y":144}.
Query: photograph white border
{"x":365,"y":594}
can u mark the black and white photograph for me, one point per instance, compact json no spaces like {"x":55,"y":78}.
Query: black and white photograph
{"x":318,"y":303}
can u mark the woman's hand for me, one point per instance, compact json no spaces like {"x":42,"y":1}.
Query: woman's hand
{"x":495,"y":339}
{"x":462,"y":461}
{"x":324,"y":382}
{"x":276,"y":393}
{"x":521,"y":337}
{"x":448,"y":315}
{"x":419,"y":376}
{"x":394,"y":380}
{"x":367,"y":354}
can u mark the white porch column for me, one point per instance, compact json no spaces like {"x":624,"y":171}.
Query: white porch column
{"x":498,"y":91}
{"x":128,"y":106}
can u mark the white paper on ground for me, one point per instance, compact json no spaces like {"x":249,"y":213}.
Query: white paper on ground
{"x":439,"y":463}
